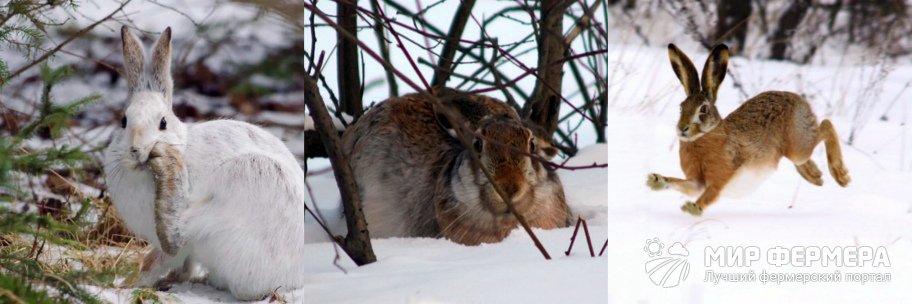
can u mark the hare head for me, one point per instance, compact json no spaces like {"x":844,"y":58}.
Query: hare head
{"x":148,"y":118}
{"x":698,"y":111}
{"x":500,"y":146}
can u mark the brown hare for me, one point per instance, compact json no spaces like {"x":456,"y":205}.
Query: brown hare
{"x":714,"y":152}
{"x":417,"y":180}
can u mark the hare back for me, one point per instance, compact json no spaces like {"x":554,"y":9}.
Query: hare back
{"x":396,"y":149}
{"x":225,"y":152}
{"x":771,"y":125}
{"x":474,"y":107}
{"x":218,"y":140}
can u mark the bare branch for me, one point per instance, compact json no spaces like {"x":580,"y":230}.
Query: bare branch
{"x":62,"y":44}
{"x":445,"y":64}
{"x":357,"y":242}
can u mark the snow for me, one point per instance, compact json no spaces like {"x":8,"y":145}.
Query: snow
{"x":424,"y":270}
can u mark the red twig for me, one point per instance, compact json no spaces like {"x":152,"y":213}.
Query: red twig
{"x":417,"y":31}
{"x":603,"y":248}
{"x":532,"y":71}
{"x":550,"y":164}
{"x":408,"y":56}
{"x":320,"y":172}
{"x":573,"y":237}
{"x":336,"y":242}
{"x":581,"y":221}
{"x":588,"y":238}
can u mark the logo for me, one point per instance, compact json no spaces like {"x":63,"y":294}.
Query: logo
{"x":670,"y":270}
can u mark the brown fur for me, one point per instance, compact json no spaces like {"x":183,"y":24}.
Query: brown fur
{"x":764,"y":129}
{"x":407,"y":164}
{"x":150,"y":259}
{"x":167,"y":166}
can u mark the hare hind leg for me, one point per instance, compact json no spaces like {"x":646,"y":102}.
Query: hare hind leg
{"x":803,"y":139}
{"x":838,"y":170}
{"x":810,"y":172}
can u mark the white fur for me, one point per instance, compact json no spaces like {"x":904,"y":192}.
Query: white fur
{"x":746,"y":180}
{"x":243,"y":223}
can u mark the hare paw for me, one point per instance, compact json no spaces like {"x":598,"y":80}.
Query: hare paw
{"x":692,"y":208}
{"x":810,"y":173}
{"x":160,"y":149}
{"x":656,"y":182}
{"x":840,"y":173}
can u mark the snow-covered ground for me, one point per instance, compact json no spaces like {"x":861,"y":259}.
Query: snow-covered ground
{"x":422,"y":270}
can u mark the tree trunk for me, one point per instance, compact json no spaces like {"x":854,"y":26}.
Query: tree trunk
{"x":347,"y":63}
{"x":445,"y":65}
{"x":786,"y":29}
{"x":384,"y":48}
{"x":357,"y":242}
{"x":544,"y":107}
{"x":732,"y":23}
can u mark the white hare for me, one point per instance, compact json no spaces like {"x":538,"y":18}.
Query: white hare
{"x":225,"y":196}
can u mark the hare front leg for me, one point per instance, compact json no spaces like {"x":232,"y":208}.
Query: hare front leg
{"x":160,"y":271}
{"x":658,"y":182}
{"x":707,"y":198}
{"x":171,"y":187}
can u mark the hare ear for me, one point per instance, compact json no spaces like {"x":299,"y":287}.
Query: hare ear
{"x":133,"y":60}
{"x":684,"y":69}
{"x":161,"y":66}
{"x":714,"y":71}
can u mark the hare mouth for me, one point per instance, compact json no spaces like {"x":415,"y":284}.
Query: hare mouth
{"x":141,"y":166}
{"x":688,"y":138}
{"x":691,"y":138}
{"x":136,"y":165}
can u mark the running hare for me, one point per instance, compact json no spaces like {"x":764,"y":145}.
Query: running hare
{"x":750,"y":140}
{"x":223,"y":195}
{"x":417,"y":180}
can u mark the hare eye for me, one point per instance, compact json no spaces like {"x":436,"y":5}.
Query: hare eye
{"x":703,"y":109}
{"x":162,"y":125}
{"x":477,"y":145}
{"x":123,"y":122}
{"x":532,"y":148}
